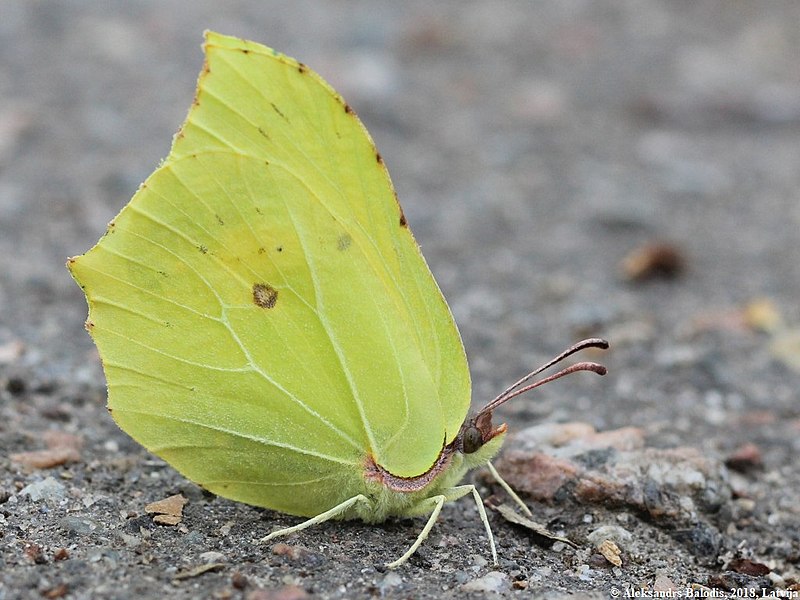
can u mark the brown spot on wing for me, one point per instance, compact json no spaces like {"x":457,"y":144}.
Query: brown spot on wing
{"x":264,"y":295}
{"x":403,"y":222}
{"x":344,"y":241}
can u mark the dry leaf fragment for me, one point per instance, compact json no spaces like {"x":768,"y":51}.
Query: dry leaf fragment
{"x":46,"y":459}
{"x":761,"y":314}
{"x":745,"y":458}
{"x":512,"y":516}
{"x":62,"y":448}
{"x":199,"y":570}
{"x":289,"y":592}
{"x":168,"y":511}
{"x":748,"y":567}
{"x":611,"y":552}
{"x":653,"y":260}
{"x":61,"y":554}
{"x":288,"y":550}
{"x":59,"y":591}
{"x":167,"y":519}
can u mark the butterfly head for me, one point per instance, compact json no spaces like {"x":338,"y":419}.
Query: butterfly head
{"x":478,"y":429}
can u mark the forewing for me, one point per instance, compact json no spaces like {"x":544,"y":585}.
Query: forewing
{"x":264,"y":315}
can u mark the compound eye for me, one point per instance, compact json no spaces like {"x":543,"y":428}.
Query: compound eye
{"x":471,"y":441}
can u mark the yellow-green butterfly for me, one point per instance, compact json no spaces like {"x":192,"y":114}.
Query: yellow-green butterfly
{"x":266,"y":321}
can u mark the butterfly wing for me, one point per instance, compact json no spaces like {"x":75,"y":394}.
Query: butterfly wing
{"x":265,"y":318}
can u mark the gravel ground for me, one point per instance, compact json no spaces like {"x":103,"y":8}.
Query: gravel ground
{"x":540,"y":149}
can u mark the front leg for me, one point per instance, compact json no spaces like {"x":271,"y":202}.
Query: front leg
{"x":434,"y":504}
{"x":320,"y":518}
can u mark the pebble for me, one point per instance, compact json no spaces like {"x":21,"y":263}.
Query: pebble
{"x":745,"y":458}
{"x":48,"y":489}
{"x":615,"y":533}
{"x":213,"y":557}
{"x":679,"y":488}
{"x":79,"y":525}
{"x":391,"y":580}
{"x":478,"y":562}
{"x":493,"y":582}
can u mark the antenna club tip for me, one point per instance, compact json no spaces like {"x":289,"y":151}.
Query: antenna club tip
{"x":586,"y":366}
{"x":596,"y":343}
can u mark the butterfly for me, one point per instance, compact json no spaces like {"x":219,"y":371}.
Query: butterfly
{"x":266,"y":321}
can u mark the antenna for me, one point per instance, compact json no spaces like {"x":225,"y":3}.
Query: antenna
{"x":515,"y":390}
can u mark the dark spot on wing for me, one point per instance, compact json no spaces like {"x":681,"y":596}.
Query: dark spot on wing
{"x":219,"y":220}
{"x":378,"y":158}
{"x":302,"y":68}
{"x":88,"y":325}
{"x":348,"y":109}
{"x":278,"y":110}
{"x":203,"y":249}
{"x":403,"y":222}
{"x":245,"y":51}
{"x":279,"y":248}
{"x":261,"y":250}
{"x":110,"y":228}
{"x":262,"y":132}
{"x":264,"y":295}
{"x":344,"y":241}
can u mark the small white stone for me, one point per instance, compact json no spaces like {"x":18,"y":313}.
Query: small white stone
{"x":47,"y":489}
{"x":212,"y":556}
{"x":493,"y":581}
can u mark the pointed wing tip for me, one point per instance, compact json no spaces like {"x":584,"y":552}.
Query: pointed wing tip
{"x":214,"y":39}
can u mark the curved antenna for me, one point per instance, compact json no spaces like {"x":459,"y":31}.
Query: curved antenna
{"x":515,"y":390}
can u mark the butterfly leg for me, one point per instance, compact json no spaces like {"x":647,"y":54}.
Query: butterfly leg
{"x":437,"y":502}
{"x":320,"y":518}
{"x":481,"y":512}
{"x":508,"y":489}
